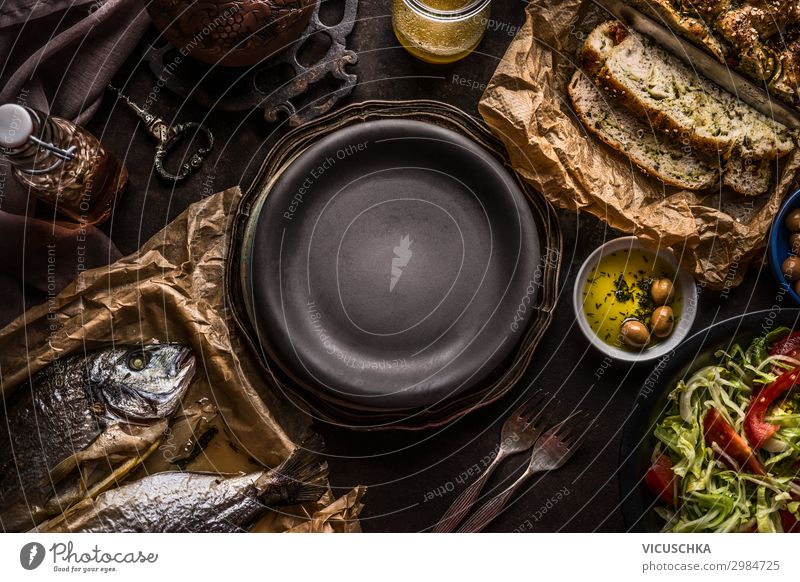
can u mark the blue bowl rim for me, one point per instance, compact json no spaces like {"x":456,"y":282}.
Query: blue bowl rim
{"x":791,"y":202}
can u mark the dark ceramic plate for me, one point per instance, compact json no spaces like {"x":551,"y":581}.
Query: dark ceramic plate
{"x":651,"y":403}
{"x":388,"y":264}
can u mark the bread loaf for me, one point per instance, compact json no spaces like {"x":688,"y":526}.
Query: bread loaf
{"x":660,"y":88}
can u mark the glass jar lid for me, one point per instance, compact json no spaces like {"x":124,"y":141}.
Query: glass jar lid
{"x":422,"y":8}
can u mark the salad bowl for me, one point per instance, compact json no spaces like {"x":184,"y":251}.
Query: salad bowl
{"x":639,"y":504}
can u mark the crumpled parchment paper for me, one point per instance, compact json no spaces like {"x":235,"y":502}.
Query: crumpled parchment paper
{"x":172,"y":289}
{"x":527,"y":106}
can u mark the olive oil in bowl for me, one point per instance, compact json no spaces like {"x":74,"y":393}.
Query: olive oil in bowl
{"x":619,"y":290}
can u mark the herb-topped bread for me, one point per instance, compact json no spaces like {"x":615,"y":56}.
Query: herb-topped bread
{"x":748,"y":177}
{"x":599,"y":45}
{"x":657,"y":154}
{"x":760,"y":38}
{"x":670,"y":13}
{"x":654,"y":153}
{"x":672,"y":97}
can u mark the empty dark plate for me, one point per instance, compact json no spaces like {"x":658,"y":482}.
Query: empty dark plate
{"x":651,"y":403}
{"x":390,"y":265}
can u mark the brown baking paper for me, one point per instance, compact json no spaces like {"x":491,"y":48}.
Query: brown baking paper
{"x":172,"y":289}
{"x":527,"y":106}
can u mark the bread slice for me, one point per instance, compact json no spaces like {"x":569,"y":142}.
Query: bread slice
{"x":657,"y":155}
{"x":599,"y":45}
{"x":748,"y":177}
{"x":672,"y":97}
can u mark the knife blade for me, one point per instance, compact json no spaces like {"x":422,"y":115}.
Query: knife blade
{"x":704,"y":63}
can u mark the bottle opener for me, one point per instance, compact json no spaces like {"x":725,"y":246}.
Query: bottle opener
{"x":169,"y":136}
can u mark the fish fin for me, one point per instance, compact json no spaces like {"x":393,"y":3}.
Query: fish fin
{"x":118,"y":439}
{"x":307,"y":470}
{"x":64,"y":468}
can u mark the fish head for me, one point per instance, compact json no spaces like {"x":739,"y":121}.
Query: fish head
{"x":145,"y":382}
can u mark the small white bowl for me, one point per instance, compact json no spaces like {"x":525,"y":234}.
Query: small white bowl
{"x":684,"y":281}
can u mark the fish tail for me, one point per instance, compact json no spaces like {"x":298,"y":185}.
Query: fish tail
{"x":306,"y":470}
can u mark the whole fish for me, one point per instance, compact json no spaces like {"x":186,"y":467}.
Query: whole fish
{"x":84,"y":412}
{"x":176,"y":501}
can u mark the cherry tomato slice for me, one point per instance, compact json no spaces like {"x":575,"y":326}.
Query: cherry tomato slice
{"x":759,"y":431}
{"x":718,"y":431}
{"x":661,"y":479}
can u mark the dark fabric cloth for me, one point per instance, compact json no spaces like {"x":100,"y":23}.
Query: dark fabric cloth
{"x":59,"y":56}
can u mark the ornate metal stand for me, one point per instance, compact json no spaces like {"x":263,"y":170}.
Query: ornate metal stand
{"x":239,"y":89}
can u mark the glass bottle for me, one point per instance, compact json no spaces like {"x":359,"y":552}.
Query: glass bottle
{"x":440,"y":31}
{"x":61,"y":163}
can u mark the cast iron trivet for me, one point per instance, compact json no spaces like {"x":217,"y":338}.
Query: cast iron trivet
{"x":275,"y":85}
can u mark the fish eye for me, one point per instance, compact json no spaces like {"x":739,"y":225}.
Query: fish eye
{"x":138,"y":361}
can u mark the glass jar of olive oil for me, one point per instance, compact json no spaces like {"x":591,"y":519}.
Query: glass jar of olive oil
{"x":440,"y":31}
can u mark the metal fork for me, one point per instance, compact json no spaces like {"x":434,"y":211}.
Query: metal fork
{"x":519,"y":433}
{"x":554,"y":449}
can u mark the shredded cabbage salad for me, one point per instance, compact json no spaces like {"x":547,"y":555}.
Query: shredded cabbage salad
{"x":712,"y":493}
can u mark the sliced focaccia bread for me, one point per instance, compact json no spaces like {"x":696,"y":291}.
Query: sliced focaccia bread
{"x":748,"y":177}
{"x":655,"y":154}
{"x":599,"y":45}
{"x":659,"y":87}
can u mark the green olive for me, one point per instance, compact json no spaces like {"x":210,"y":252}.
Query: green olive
{"x":791,"y":268}
{"x":793,"y":220}
{"x":662,"y":291}
{"x":794,"y":243}
{"x":635,"y":334}
{"x":662,"y":321}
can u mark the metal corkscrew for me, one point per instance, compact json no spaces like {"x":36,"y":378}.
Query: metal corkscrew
{"x":168,"y":137}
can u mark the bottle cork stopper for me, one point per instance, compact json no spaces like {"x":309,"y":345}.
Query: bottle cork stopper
{"x":16,"y":125}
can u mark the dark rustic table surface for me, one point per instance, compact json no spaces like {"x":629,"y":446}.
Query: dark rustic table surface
{"x":413,"y":478}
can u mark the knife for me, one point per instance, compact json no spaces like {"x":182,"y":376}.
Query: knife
{"x":706,"y":64}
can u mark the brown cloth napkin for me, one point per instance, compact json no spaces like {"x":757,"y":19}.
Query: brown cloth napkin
{"x":58,"y":57}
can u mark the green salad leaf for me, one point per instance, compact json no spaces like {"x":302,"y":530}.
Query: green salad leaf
{"x":713,"y":496}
